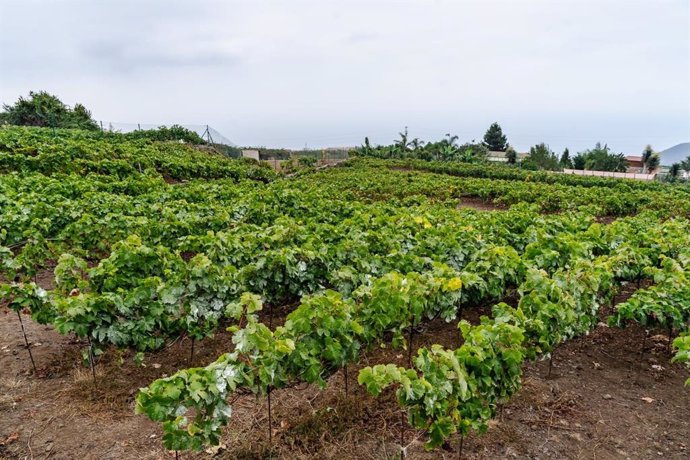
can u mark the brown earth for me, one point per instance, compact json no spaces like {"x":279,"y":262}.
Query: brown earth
{"x":479,"y":204}
{"x":601,"y":401}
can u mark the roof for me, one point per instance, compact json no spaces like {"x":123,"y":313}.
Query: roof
{"x":633,"y":158}
{"x":498,"y":154}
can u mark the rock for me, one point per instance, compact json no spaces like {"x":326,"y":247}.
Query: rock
{"x":607,"y":396}
{"x":511,"y":453}
{"x":576,"y":436}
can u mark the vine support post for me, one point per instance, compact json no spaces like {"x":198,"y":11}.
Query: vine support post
{"x":670,"y":338}
{"x":191,"y":353}
{"x":550,"y":364}
{"x":409,"y":345}
{"x":462,"y":441}
{"x":177,"y":455}
{"x":402,"y":434}
{"x":26,"y":341}
{"x":459,"y":319}
{"x":346,"y":383}
{"x":270,"y":420}
{"x":92,"y":364}
{"x":639,"y":359}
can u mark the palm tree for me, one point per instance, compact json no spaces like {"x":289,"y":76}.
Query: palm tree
{"x":403,"y":143}
{"x":452,"y":140}
{"x":653,"y":162}
{"x":647,"y":155}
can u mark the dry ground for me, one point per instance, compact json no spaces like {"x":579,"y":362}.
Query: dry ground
{"x":601,"y":401}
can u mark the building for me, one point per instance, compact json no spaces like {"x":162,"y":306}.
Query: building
{"x":500,"y":157}
{"x":634,"y":163}
{"x":250,"y":153}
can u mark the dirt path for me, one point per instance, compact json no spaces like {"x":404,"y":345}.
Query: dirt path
{"x":478,"y":204}
{"x":597,"y":405}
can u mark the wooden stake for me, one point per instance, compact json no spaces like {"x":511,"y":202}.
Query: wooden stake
{"x":26,"y":341}
{"x":409,"y":346}
{"x":270,"y":421}
{"x":639,"y":359}
{"x":402,"y":434}
{"x":191,"y":353}
{"x":91,"y":361}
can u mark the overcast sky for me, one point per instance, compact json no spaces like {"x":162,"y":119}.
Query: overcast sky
{"x":328,"y":73}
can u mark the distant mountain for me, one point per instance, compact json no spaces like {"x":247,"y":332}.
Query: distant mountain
{"x":675,"y":154}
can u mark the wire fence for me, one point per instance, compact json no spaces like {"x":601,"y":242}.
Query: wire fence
{"x":275,"y":156}
{"x":206,"y":132}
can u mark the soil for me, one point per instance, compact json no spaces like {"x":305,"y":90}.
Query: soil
{"x":479,"y":204}
{"x":601,"y":401}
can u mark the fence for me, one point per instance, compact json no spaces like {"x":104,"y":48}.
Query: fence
{"x":617,"y":175}
{"x":206,"y":132}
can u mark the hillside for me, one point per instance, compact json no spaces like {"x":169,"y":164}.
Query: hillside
{"x":131,"y":155}
{"x":675,"y":154}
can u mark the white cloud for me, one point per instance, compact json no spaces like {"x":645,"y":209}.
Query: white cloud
{"x":330,"y":72}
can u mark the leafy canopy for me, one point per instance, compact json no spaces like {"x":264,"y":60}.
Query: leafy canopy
{"x":566,"y":161}
{"x":600,"y":159}
{"x":43,"y":109}
{"x":541,"y":157}
{"x":494,"y":139}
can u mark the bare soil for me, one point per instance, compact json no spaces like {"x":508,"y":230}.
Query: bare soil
{"x":479,"y":204}
{"x":602,"y":401}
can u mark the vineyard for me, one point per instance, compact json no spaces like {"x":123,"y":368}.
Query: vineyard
{"x":204,"y":306}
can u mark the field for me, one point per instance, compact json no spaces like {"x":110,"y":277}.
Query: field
{"x":178,"y":303}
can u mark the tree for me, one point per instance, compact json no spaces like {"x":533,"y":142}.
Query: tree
{"x":43,"y":109}
{"x":674,"y":172}
{"x":650,"y":159}
{"x":685,"y":165}
{"x":565,"y":160}
{"x":511,"y":155}
{"x":579,"y":161}
{"x":653,"y":163}
{"x":403,"y":143}
{"x":600,"y":159}
{"x":541,"y":157}
{"x":470,"y":152}
{"x":494,"y":139}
